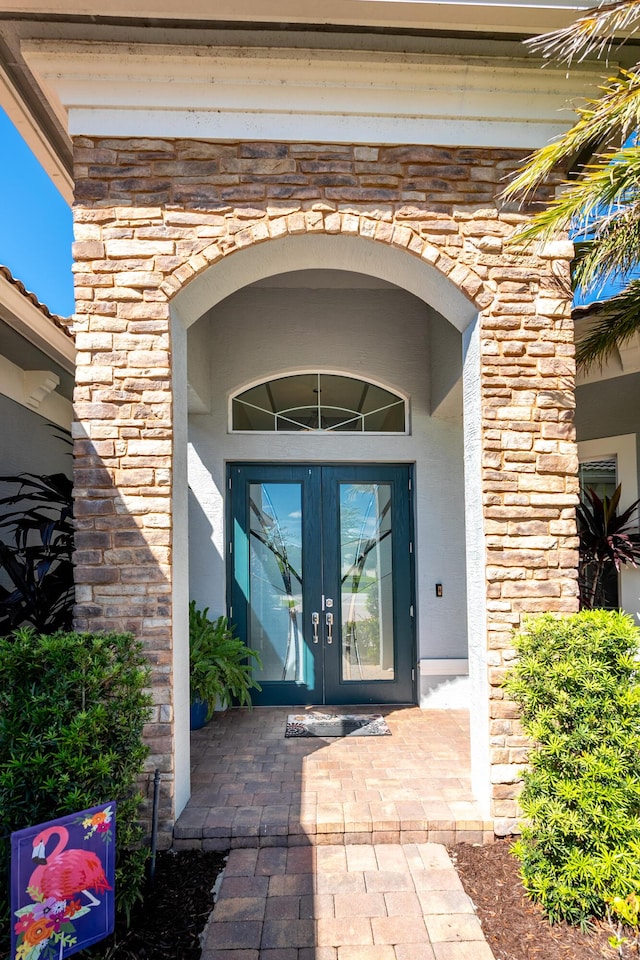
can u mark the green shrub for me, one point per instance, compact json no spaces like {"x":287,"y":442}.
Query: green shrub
{"x":72,"y":708}
{"x":576,"y":681}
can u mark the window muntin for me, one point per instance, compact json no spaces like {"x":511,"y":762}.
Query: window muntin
{"x":318,"y":403}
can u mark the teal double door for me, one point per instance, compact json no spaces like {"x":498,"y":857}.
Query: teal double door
{"x":321,"y":580}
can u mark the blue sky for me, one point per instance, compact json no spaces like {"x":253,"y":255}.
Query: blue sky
{"x":36,"y":229}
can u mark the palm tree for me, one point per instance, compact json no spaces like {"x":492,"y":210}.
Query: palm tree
{"x":602,"y":200}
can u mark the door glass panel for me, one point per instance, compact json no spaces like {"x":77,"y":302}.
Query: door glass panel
{"x":275,"y":580}
{"x":366,"y":580}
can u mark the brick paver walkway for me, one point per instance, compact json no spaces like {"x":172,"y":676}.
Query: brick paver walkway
{"x":343,"y":902}
{"x":252,"y":787}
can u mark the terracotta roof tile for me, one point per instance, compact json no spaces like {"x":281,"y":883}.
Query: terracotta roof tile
{"x":61,"y":323}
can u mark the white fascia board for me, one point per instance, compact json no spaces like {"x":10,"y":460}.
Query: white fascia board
{"x":293,"y":94}
{"x":471,"y":15}
{"x":35,"y":390}
{"x":24,"y":121}
{"x":24,"y":317}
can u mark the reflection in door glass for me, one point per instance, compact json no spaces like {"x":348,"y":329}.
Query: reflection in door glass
{"x":366,"y":582}
{"x":275,"y":580}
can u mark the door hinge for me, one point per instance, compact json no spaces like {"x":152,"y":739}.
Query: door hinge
{"x":413,"y":674}
{"x":230,"y":546}
{"x":410,"y":546}
{"x":410,"y":487}
{"x":411,"y":610}
{"x":230,"y":482}
{"x":230,"y":613}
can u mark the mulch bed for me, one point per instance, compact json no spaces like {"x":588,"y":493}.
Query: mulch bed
{"x":516,"y":928}
{"x":167,"y":924}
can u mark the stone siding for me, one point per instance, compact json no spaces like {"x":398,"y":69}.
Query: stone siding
{"x":152,"y":214}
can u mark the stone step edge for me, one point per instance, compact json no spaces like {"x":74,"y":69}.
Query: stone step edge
{"x":447,"y":837}
{"x":193,"y":831}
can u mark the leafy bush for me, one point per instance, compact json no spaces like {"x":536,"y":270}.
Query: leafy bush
{"x":576,"y":681}
{"x":35,"y":557}
{"x":219,"y":662}
{"x":72,"y":708}
{"x":623,"y":914}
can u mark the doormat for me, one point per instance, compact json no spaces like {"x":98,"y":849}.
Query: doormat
{"x":336,"y":725}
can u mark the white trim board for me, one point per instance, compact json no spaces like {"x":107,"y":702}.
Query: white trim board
{"x":623,"y":448}
{"x":444,"y":668}
{"x":293,"y":94}
{"x":27,"y":125}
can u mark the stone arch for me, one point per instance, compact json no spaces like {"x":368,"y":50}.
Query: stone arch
{"x":454,"y":289}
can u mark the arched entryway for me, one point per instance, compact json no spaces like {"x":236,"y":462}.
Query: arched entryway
{"x":153,"y":265}
{"x":350,"y":307}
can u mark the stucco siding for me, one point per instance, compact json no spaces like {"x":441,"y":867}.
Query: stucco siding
{"x":609,"y":407}
{"x":30,"y":443}
{"x":383,"y":334}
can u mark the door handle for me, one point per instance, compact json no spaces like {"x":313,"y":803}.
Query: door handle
{"x":315,"y":620}
{"x":329,"y":623}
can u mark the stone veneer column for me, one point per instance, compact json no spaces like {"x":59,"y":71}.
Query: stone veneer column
{"x":530,"y":484}
{"x":151,"y":214}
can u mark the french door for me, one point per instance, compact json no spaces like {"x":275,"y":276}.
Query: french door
{"x":320,"y":581}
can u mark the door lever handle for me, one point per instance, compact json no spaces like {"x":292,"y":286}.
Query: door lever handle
{"x":329,"y":623}
{"x":315,"y":620}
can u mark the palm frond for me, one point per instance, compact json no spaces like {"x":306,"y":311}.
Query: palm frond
{"x":606,"y":188}
{"x":618,"y":320}
{"x":613,"y":116}
{"x":596,"y":31}
{"x":614,"y":252}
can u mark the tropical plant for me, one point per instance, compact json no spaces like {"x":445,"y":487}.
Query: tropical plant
{"x":35,"y":557}
{"x":576,"y":681}
{"x":220,"y":663}
{"x":608,"y":540}
{"x":600,"y":200}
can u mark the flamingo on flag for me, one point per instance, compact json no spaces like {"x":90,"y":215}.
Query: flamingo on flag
{"x":65,"y":873}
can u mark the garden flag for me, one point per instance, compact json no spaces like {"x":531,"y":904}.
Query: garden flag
{"x":62,"y":884}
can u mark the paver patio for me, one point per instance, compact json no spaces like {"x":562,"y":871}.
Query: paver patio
{"x":253,"y":787}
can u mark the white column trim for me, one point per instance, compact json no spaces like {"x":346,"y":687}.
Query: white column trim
{"x":180,"y":569}
{"x":476,"y":571}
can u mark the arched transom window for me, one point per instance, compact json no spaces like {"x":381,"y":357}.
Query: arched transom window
{"x":320,"y":403}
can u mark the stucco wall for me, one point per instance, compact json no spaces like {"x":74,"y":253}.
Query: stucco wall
{"x":609,"y":407}
{"x":29,"y":442}
{"x":383,"y":334}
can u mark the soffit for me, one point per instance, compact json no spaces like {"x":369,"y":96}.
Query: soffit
{"x":33,"y":323}
{"x":501,"y":15}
